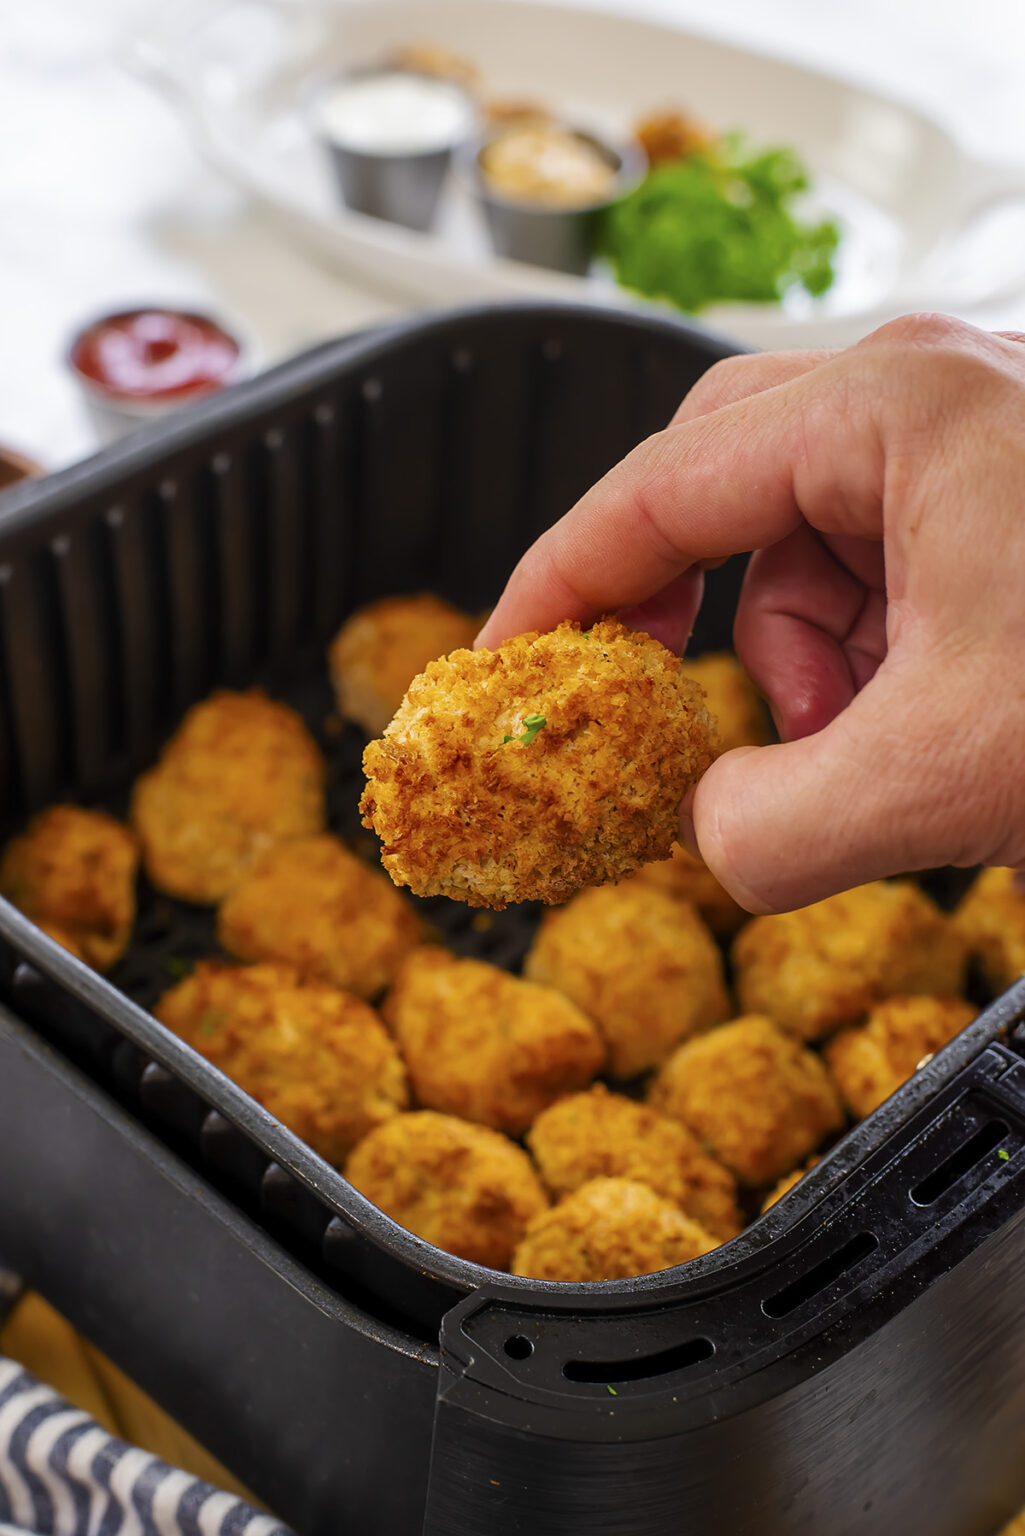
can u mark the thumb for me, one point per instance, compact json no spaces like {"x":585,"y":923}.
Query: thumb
{"x":887,"y":787}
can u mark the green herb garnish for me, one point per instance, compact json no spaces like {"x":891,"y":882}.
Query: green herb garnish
{"x":720,"y":226}
{"x":1004,"y":1155}
{"x":611,"y":1390}
{"x":533,"y":724}
{"x":177,"y":967}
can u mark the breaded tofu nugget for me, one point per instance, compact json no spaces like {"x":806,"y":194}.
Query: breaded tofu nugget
{"x":73,"y":872}
{"x":485,"y":1045}
{"x":526,"y":773}
{"x":599,"y":1134}
{"x":318,"y":1059}
{"x":690,"y":879}
{"x":609,"y":1229}
{"x":824,"y":966}
{"x":315,"y":905}
{"x":643,"y":966}
{"x":786,"y":1184}
{"x":733,"y":700}
{"x":241,"y":774}
{"x":753,"y":1095}
{"x":991,"y":919}
{"x":381,"y":648}
{"x":870,"y":1062}
{"x":462,"y":1187}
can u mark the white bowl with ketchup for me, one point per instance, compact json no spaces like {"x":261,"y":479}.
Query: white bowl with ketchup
{"x":137,"y":365}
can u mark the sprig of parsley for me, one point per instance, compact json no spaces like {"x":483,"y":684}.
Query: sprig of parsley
{"x":533,"y":724}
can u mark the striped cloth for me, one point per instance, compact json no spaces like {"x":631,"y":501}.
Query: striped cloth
{"x":62,"y":1474}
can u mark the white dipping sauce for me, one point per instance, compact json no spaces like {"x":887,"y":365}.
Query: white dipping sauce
{"x":396,"y":114}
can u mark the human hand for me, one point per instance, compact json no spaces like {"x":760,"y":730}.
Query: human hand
{"x":883,"y":614}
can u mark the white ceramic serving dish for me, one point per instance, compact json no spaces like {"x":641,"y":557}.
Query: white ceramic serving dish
{"x":906,"y":194}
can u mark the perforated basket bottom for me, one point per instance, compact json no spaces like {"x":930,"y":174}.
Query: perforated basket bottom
{"x":170,"y":936}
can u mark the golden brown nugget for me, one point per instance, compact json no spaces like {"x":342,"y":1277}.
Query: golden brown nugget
{"x":991,"y":920}
{"x":786,"y":1184}
{"x":609,"y":1229}
{"x":526,"y":773}
{"x":315,"y":905}
{"x":733,"y":700}
{"x":753,"y":1095}
{"x":73,"y":872}
{"x":241,"y":774}
{"x":318,"y":1059}
{"x":486,"y":1045}
{"x":643,"y":966}
{"x":462,"y":1187}
{"x":870,"y":1062}
{"x":824,"y":966}
{"x":599,"y":1134}
{"x":381,"y":648}
{"x":690,"y":879}
{"x":672,"y":135}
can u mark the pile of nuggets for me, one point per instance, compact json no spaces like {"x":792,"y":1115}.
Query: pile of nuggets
{"x":664,"y":1067}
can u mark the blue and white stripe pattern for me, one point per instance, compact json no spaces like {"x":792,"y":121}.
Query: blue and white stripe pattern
{"x":62,"y":1474}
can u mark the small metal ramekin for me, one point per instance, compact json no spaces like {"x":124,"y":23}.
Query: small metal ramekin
{"x":402,"y":188}
{"x":540,"y":233}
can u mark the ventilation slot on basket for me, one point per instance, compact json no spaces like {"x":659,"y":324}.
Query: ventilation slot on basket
{"x":823,"y":1274}
{"x":641,"y":1367}
{"x":959,"y":1163}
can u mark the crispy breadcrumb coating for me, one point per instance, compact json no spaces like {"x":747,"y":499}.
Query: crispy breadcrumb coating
{"x":870,"y":1062}
{"x":462,"y":1187}
{"x":824,"y":966}
{"x":485,"y":1045}
{"x":643,"y":966}
{"x":753,"y":1095}
{"x":73,"y":872}
{"x":599,"y":1134}
{"x":991,"y":919}
{"x":733,"y":700}
{"x":526,"y":773}
{"x":240,"y":774}
{"x":786,"y":1184}
{"x":381,"y":648}
{"x":690,"y":879}
{"x":318,"y":1059}
{"x":315,"y":905}
{"x":609,"y":1229}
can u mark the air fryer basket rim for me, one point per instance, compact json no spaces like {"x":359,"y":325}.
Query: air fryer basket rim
{"x":28,"y":512}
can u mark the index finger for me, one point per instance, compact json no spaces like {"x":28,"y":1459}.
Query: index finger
{"x":733,"y":480}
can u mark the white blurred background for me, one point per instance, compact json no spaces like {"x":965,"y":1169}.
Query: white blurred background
{"x":105,"y":200}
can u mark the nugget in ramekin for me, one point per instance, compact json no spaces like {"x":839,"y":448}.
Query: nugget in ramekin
{"x":870,"y":1062}
{"x":318,"y":1059}
{"x":824,"y":966}
{"x":465,"y":1188}
{"x":525,"y":773}
{"x":609,"y":1229}
{"x":991,"y":920}
{"x":753,"y":1095}
{"x":599,"y":1134}
{"x":486,"y":1045}
{"x":643,"y":966}
{"x":379,"y":650}
{"x":241,"y":774}
{"x":315,"y":905}
{"x":73,"y":872}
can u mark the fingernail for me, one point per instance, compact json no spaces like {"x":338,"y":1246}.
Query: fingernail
{"x":687,"y":836}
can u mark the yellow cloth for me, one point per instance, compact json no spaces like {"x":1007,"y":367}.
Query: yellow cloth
{"x":38,"y":1338}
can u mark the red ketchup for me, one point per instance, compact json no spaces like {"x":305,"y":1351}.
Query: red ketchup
{"x":155,"y":354}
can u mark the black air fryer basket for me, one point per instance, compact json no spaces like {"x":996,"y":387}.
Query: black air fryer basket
{"x":854,"y":1363}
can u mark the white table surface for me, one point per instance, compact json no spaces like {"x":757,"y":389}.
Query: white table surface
{"x":104,"y":201}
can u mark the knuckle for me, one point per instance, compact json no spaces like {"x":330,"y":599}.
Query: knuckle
{"x":925,"y":329}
